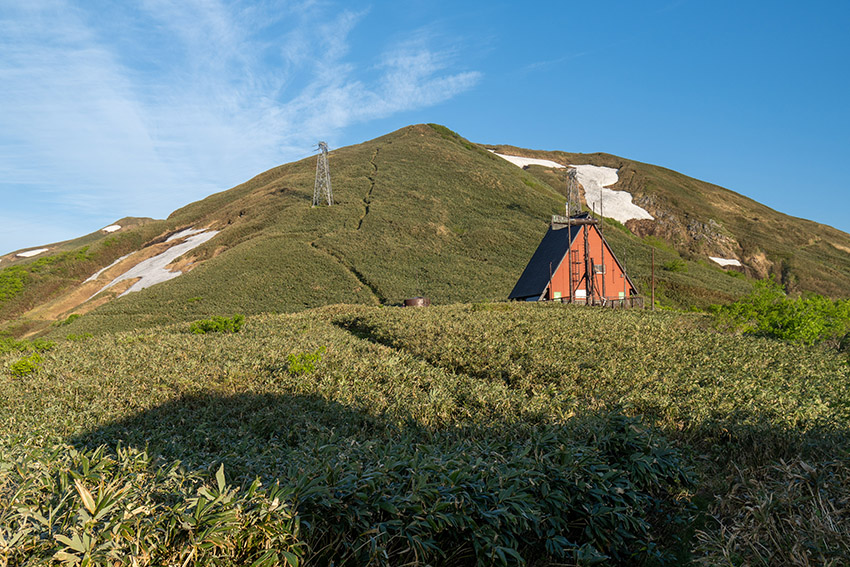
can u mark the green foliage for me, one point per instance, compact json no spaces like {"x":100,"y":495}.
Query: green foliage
{"x":27,"y":365}
{"x":68,"y":320}
{"x":675,"y":265}
{"x":448,"y":134}
{"x":616,"y":224}
{"x":25,"y":284}
{"x":78,"y":337}
{"x":476,"y":434}
{"x":40,"y":345}
{"x":218,"y":324}
{"x":92,"y":508}
{"x":492,"y":498}
{"x":12,"y":282}
{"x":769,"y":511}
{"x":769,"y":312}
{"x":8,"y":344}
{"x":302,"y":363}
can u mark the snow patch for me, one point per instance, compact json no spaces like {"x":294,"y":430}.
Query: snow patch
{"x":726,"y":261}
{"x":523,"y":161}
{"x":184,"y":234}
{"x":31,"y":253}
{"x":595,"y":179}
{"x":97,"y":275}
{"x":111,"y":228}
{"x":609,"y":203}
{"x":153,"y":270}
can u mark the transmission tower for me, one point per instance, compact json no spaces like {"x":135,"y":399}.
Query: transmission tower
{"x":323,"y":177}
{"x":573,"y":198}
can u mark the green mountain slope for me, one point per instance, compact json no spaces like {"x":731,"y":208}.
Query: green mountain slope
{"x":700,"y":219}
{"x":424,"y":211}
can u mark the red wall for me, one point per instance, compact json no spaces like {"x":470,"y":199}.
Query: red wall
{"x":614,"y":279}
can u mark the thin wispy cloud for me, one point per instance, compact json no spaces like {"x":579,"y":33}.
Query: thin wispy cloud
{"x":138,"y":110}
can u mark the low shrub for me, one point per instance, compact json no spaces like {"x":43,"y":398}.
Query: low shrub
{"x":485,"y":497}
{"x":767,"y":311}
{"x":609,"y":490}
{"x":79,"y":337}
{"x":675,"y":265}
{"x":218,"y":325}
{"x":8,"y":344}
{"x":91,"y":508}
{"x":68,"y":320}
{"x":26,"y":365}
{"x":785,"y":513}
{"x":298,"y":364}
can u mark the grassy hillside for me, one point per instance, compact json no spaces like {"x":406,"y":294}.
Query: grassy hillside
{"x":418,"y":211}
{"x":26,"y":283}
{"x":422,"y":211}
{"x":700,"y":219}
{"x":433,"y":436}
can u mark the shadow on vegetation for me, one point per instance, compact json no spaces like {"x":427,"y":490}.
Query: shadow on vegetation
{"x":603,"y":488}
{"x":248,"y":432}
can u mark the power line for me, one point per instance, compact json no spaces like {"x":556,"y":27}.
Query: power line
{"x":323,"y":177}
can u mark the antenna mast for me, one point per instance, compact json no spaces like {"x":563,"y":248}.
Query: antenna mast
{"x":573,"y":204}
{"x":573,"y":199}
{"x":323,"y":177}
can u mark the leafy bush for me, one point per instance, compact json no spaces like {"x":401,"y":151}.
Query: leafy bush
{"x":298,"y":364}
{"x":26,"y":365}
{"x":675,"y":265}
{"x":68,"y":320}
{"x":79,"y":337}
{"x":768,"y":311}
{"x":484,"y":497}
{"x":218,"y":325}
{"x":12,"y":281}
{"x":789,"y":513}
{"x":8,"y":344}
{"x":607,"y":491}
{"x":90,"y":508}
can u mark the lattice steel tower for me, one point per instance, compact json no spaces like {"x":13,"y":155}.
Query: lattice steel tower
{"x":323,"y":177}
{"x":573,"y":198}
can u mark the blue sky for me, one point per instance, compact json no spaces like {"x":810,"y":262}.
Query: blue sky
{"x":113,"y":109}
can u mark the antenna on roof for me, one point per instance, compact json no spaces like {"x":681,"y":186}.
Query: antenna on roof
{"x":323,"y":177}
{"x":573,"y":208}
{"x":573,"y":199}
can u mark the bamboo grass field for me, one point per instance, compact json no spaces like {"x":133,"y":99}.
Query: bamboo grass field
{"x":374,"y":435}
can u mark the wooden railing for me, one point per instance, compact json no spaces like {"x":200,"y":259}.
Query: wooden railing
{"x":636,"y":301}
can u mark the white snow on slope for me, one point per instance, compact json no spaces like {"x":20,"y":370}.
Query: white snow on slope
{"x":523,"y":161}
{"x":726,"y":261}
{"x":31,"y":253}
{"x":111,"y":228}
{"x":97,"y":274}
{"x":595,"y":180}
{"x":184,"y":234}
{"x":153,"y":270}
{"x":613,"y":204}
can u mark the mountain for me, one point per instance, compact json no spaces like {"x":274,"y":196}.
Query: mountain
{"x":420,"y":211}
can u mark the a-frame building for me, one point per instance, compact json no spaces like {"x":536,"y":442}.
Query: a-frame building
{"x":575,"y":264}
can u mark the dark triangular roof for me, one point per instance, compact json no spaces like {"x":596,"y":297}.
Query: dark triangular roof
{"x":553,"y":248}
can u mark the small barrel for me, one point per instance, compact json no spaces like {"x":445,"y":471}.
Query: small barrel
{"x":417,"y":302}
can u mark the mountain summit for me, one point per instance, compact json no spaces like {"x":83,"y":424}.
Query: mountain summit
{"x":420,"y":211}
